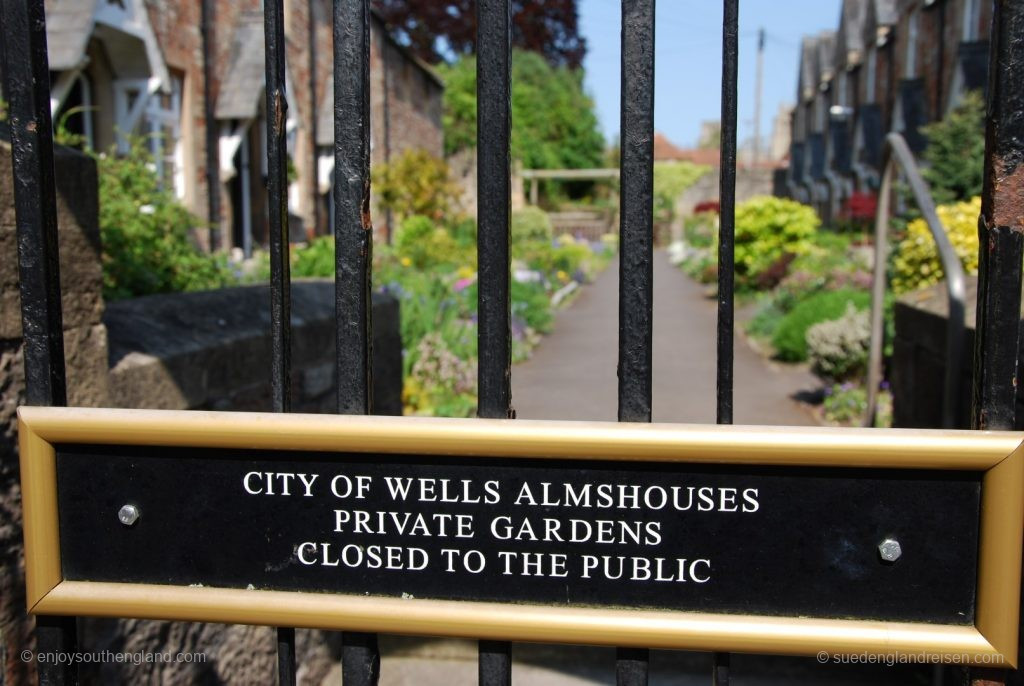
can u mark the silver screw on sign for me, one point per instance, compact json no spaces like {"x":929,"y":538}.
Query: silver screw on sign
{"x":890,"y":550}
{"x":128,"y":514}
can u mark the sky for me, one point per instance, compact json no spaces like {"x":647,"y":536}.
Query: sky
{"x":688,"y":60}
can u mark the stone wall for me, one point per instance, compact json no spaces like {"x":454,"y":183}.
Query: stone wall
{"x":749,"y":183}
{"x":206,"y":350}
{"x":919,"y":360}
{"x":211,"y":350}
{"x":85,"y":343}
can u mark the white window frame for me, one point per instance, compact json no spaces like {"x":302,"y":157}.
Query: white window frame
{"x":872,"y":70}
{"x":971,"y":19}
{"x":158,"y":117}
{"x":910,"y":58}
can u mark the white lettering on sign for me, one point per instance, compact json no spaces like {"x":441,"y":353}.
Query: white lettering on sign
{"x":482,"y":520}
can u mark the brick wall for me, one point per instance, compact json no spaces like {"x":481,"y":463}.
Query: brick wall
{"x":405,"y":97}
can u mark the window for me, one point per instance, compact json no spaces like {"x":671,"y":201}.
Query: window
{"x":163,"y":131}
{"x":910,"y":63}
{"x":872,"y":69}
{"x":971,"y":19}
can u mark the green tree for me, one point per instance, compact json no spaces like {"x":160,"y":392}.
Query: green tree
{"x":956,"y":152}
{"x":553,"y":121}
{"x":671,"y":179}
{"x":414,"y":183}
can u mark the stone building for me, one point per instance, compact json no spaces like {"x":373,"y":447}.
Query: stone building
{"x":892,"y":65}
{"x":135,"y":67}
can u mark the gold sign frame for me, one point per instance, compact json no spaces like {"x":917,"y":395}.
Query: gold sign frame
{"x":998,"y":455}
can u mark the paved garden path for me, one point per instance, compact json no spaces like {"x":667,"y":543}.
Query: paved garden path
{"x":572,"y":372}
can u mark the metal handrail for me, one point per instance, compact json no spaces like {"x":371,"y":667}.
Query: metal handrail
{"x":897,"y":151}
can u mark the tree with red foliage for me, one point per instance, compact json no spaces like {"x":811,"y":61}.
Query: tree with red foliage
{"x":548,"y":27}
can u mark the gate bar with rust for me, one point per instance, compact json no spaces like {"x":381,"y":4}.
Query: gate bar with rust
{"x":27,"y":74}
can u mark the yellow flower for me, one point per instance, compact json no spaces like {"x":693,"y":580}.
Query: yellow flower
{"x":562,"y":276}
{"x":406,"y":262}
{"x":465,"y":272}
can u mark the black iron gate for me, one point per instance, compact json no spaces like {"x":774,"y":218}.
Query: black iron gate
{"x":1001,"y":229}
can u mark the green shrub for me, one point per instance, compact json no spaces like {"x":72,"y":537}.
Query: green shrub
{"x":766,"y":320}
{"x":414,"y":183}
{"x":145,"y":231}
{"x":422,"y":243}
{"x":838,"y":348}
{"x":916,"y":261}
{"x":955,"y":155}
{"x":531,"y":224}
{"x":315,"y":259}
{"x":767,"y":229}
{"x":790,"y":339}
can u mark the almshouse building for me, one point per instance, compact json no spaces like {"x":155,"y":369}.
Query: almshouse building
{"x":892,"y":65}
{"x":135,"y":68}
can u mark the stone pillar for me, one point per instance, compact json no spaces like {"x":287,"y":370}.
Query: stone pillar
{"x":85,"y":343}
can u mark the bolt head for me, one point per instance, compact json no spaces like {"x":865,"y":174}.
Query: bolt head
{"x":128,"y":514}
{"x":890,"y":550}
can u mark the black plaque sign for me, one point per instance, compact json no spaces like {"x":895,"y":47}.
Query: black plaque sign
{"x":665,"y":536}
{"x":772,"y":541}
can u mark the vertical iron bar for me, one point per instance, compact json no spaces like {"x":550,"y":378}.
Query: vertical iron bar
{"x":285,"y":655}
{"x":280,"y":296}
{"x":494,"y":173}
{"x":1000,"y":227}
{"x":277,"y":191}
{"x":636,"y":258}
{"x":495,"y":663}
{"x":631,"y":666}
{"x":727,"y":196}
{"x":636,"y":220}
{"x":353,"y":245}
{"x":494,"y":184}
{"x":314,"y":192}
{"x":208,"y":30}
{"x":720,"y":671}
{"x":353,"y":231}
{"x":26,"y":69}
{"x":726,"y":243}
{"x":27,"y":84}
{"x":1001,"y":241}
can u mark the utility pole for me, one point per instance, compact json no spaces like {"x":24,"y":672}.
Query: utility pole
{"x":757,"y":97}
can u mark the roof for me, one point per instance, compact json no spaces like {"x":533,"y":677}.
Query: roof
{"x":850,"y":39}
{"x":242,"y":85}
{"x":880,"y":17}
{"x":667,"y":151}
{"x":825,"y":68}
{"x":423,"y":66}
{"x":68,"y":27}
{"x":807,"y":83}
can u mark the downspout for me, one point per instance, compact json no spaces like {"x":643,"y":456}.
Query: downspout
{"x":942,"y":56}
